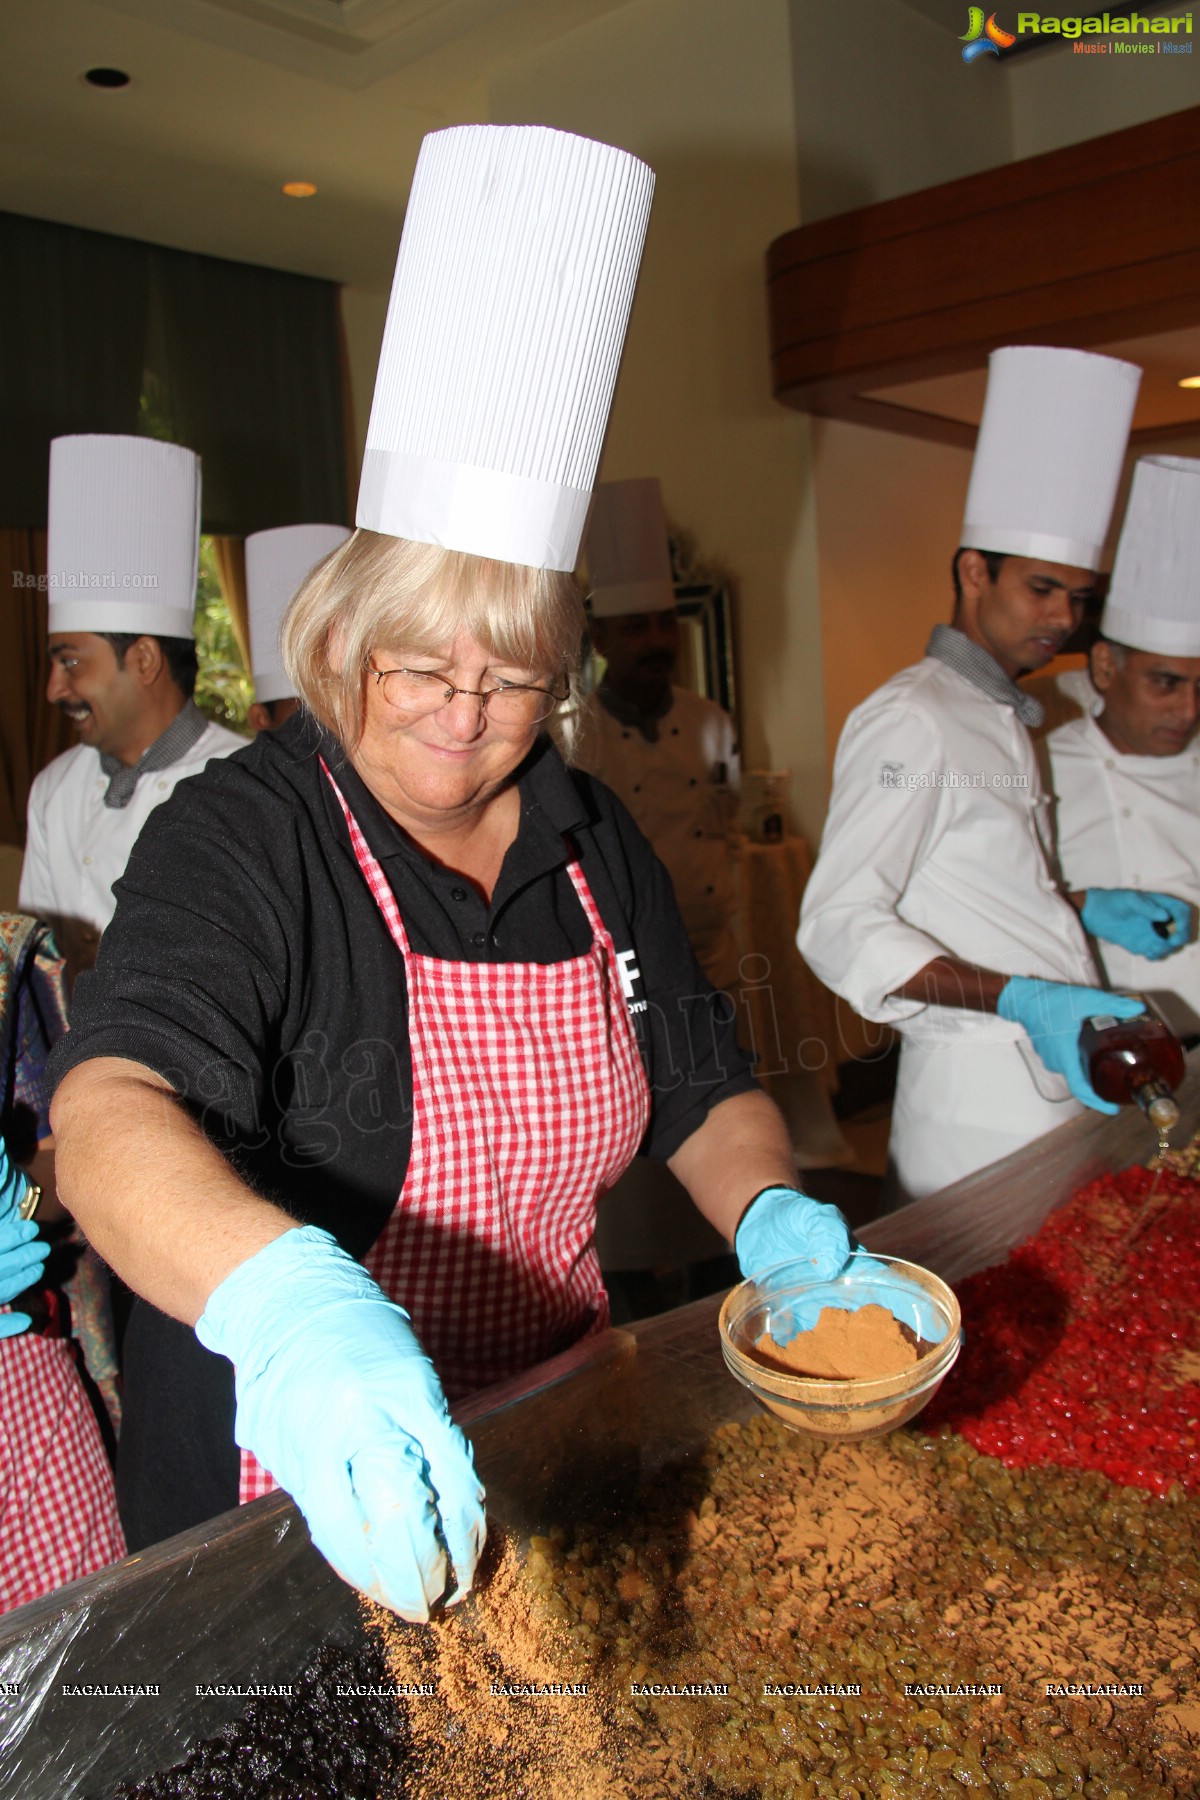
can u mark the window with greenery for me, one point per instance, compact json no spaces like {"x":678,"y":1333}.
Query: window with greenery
{"x":224,"y":689}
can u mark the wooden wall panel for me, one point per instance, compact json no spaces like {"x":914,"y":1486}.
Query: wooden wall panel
{"x":1080,"y":246}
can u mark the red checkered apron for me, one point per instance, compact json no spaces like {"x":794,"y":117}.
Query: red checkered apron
{"x":58,"y":1510}
{"x":529,"y":1102}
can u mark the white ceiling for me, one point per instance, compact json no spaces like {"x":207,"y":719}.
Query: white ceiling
{"x":231,"y":98}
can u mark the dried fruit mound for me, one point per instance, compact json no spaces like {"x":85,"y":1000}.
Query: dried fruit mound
{"x":1083,"y":1348}
{"x":774,"y":1559}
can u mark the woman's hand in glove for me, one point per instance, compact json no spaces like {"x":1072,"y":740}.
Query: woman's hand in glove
{"x":783,"y":1225}
{"x":338,"y":1400}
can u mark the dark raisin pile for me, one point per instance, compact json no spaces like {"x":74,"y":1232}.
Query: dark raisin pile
{"x":315,"y":1745}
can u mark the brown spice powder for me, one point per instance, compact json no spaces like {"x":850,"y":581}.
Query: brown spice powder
{"x":844,"y":1346}
{"x":774,"y":1558}
{"x":472,"y":1741}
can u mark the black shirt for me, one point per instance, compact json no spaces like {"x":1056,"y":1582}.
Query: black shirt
{"x":249,"y":965}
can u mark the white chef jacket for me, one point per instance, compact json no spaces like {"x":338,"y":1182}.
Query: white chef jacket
{"x":1132,"y":821}
{"x":937,"y":843}
{"x":683,"y":792}
{"x":76,"y":847}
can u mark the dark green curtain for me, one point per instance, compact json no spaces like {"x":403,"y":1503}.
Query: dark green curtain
{"x":74,"y":307}
{"x":248,"y":363}
{"x":241,"y":364}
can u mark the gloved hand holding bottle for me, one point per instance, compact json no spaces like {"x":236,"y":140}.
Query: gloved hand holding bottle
{"x":336,"y":1398}
{"x":1150,"y":925}
{"x":783,"y":1225}
{"x":1052,"y":1013}
{"x":22,"y":1254}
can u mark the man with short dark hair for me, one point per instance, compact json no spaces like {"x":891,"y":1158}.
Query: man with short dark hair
{"x":1127,"y":776}
{"x":934,"y":906}
{"x":122,"y":549}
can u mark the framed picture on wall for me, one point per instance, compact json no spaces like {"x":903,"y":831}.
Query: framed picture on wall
{"x":706,"y":662}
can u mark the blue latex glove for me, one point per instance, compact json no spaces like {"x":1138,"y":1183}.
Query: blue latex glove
{"x":902,"y":1297}
{"x":337,"y":1399}
{"x":1052,"y":1012}
{"x":22,"y":1254}
{"x":783,"y":1225}
{"x":1127,"y":916}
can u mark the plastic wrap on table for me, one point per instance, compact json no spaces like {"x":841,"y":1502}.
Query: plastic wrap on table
{"x":247,"y":1599}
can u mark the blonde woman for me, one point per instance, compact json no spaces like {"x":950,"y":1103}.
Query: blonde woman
{"x":396,"y":975}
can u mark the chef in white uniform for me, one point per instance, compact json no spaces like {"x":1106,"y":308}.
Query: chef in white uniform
{"x":123,"y":540}
{"x":1127,"y":776}
{"x":670,"y":754}
{"x":933,"y":906}
{"x":277,"y":562}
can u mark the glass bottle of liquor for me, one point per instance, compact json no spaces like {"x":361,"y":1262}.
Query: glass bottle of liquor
{"x":1135,"y":1061}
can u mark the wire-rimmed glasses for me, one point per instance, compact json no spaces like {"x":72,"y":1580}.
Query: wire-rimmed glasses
{"x":426,"y":691}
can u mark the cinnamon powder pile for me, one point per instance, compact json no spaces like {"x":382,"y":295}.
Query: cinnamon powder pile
{"x":472,"y":1741}
{"x":844,"y":1346}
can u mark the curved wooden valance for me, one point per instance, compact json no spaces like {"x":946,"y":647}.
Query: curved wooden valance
{"x":1081,"y":246}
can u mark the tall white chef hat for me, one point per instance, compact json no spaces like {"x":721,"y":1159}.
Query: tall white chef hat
{"x":628,"y":550}
{"x":1049,"y":455}
{"x":124,"y":535}
{"x":509,"y":305}
{"x":1154,"y":596}
{"x":276,"y":563}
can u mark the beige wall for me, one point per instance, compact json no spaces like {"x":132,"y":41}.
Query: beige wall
{"x":1063,"y":98}
{"x":885,"y":104}
{"x":889,"y":512}
{"x":702,"y":90}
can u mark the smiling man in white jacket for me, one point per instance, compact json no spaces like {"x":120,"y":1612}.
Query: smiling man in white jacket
{"x":122,"y":549}
{"x":934,"y":906}
{"x":1127,"y":776}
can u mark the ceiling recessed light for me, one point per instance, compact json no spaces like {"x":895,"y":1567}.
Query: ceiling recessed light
{"x":1190,"y":381}
{"x":107,"y":78}
{"x":299,"y":190}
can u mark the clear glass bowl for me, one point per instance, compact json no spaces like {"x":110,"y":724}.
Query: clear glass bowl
{"x":827,"y":1407}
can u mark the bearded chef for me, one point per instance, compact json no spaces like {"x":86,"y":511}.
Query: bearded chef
{"x":933,"y":906}
{"x":671,"y":755}
{"x":1127,"y":776}
{"x":123,"y":541}
{"x":277,"y":563}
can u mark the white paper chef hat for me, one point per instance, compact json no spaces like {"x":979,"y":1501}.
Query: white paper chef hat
{"x":1154,"y":596}
{"x":276,"y":563}
{"x":511,"y":296}
{"x":1049,"y":455}
{"x":124,"y":535}
{"x":628,"y":550}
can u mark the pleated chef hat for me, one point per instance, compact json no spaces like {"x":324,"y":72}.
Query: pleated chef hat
{"x":124,"y":535}
{"x":628,"y":550}
{"x":509,"y":305}
{"x":1154,"y":596}
{"x":1048,"y":459}
{"x":276,"y":563}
